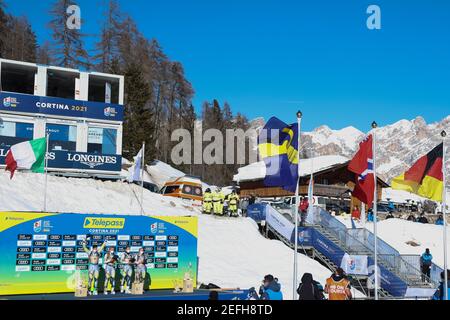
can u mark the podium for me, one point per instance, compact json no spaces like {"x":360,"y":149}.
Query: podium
{"x":137,"y":288}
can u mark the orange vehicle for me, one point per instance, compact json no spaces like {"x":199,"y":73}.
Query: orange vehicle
{"x":186,"y":187}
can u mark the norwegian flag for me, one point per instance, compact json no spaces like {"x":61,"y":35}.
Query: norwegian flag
{"x":362,"y":166}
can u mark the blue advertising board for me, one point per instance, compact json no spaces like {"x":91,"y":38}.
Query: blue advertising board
{"x":58,"y":159}
{"x":84,"y":161}
{"x":305,"y":236}
{"x":328,"y":248}
{"x":257,"y":211}
{"x":388,"y":280}
{"x":24,"y":103}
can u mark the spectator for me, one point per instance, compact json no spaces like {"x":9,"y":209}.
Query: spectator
{"x":425,"y":264}
{"x":270,"y":289}
{"x":304,"y":205}
{"x":308,"y":289}
{"x":411,"y":217}
{"x":391,"y":206}
{"x":422,"y":219}
{"x":244,"y":205}
{"x":213,"y":295}
{"x":356,"y":214}
{"x":252,"y":199}
{"x":338,"y":287}
{"x":389,"y":216}
{"x":439,"y":295}
{"x":439,"y":221}
{"x":370,"y":215}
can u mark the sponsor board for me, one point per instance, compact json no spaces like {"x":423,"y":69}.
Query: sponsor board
{"x":24,"y":103}
{"x":36,"y":259}
{"x":57,"y":159}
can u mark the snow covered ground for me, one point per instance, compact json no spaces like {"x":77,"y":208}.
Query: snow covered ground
{"x":257,"y":170}
{"x":398,"y":232}
{"x":232,"y":252}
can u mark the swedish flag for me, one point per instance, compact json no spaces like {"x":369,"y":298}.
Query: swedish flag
{"x":278,"y":147}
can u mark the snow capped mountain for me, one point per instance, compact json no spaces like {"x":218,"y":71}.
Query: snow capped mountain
{"x":399,"y":145}
{"x":325,"y":141}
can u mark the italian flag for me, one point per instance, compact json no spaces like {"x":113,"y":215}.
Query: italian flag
{"x":27,"y":155}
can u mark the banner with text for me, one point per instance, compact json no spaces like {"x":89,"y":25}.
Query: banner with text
{"x":43,"y":252}
{"x":60,"y":159}
{"x":25,"y":103}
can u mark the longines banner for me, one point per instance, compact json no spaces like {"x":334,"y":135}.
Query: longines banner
{"x":69,"y":159}
{"x":16,"y":102}
{"x":43,"y":253}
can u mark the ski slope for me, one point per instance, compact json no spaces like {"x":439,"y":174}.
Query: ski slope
{"x":232,"y":253}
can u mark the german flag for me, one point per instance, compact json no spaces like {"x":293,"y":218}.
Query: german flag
{"x":425,"y":177}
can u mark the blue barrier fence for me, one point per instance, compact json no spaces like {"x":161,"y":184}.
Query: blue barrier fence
{"x":397,"y":272}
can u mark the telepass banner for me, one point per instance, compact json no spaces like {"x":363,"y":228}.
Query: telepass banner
{"x":43,"y":252}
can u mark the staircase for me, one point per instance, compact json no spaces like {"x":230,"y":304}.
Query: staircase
{"x":396,"y":274}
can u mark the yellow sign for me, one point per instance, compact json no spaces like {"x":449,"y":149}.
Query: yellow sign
{"x":103,"y":223}
{"x":11,"y":219}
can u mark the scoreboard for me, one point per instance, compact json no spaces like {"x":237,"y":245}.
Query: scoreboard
{"x":55,"y":252}
{"x":40,"y":251}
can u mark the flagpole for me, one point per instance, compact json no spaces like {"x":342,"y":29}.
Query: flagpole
{"x":375,"y":207}
{"x":299,"y":124}
{"x":142,"y":177}
{"x":46,"y":171}
{"x":444,"y":216}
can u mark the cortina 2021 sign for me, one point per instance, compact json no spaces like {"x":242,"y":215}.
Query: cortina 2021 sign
{"x":16,"y":102}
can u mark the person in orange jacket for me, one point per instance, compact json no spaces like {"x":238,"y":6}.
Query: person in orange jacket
{"x":338,"y":286}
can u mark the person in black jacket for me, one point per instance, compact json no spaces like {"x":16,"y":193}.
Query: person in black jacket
{"x":308,"y":289}
{"x":422,"y":219}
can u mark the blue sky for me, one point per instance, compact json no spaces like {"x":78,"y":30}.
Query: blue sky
{"x":271,"y":57}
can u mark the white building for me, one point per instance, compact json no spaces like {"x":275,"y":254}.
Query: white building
{"x":81,"y":111}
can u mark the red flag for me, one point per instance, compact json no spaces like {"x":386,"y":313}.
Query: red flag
{"x":362,"y":166}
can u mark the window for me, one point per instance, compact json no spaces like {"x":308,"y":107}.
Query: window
{"x":196,"y":191}
{"x":102,"y":140}
{"x":171,"y":189}
{"x":61,"y":84}
{"x":102,"y":89}
{"x":17,"y":130}
{"x":17,"y":78}
{"x":62,"y":137}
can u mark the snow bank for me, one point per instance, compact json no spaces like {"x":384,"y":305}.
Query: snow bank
{"x":400,"y":196}
{"x":160,"y":172}
{"x":398,"y":232}
{"x":257,"y":170}
{"x":232,"y":252}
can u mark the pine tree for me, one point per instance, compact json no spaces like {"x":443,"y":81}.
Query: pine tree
{"x":108,"y":45}
{"x":20,"y":40}
{"x":68,"y":44}
{"x":137,"y":119}
{"x":3,"y":29}
{"x":43,"y":55}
